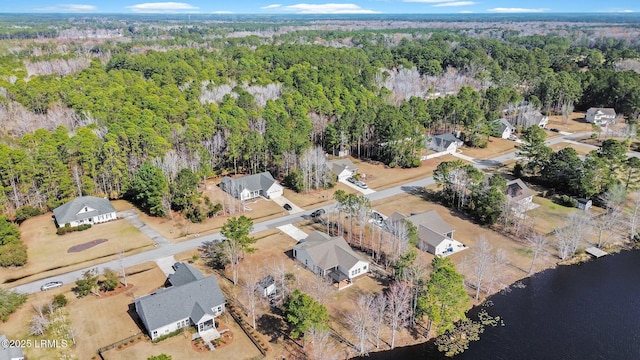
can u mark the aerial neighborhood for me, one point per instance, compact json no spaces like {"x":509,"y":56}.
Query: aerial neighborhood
{"x":186,"y":186}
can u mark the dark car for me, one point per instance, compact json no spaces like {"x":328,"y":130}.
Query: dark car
{"x":317,"y":213}
{"x":352,"y":180}
{"x":287,"y":207}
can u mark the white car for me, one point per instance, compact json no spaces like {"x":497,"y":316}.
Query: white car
{"x":51,"y":285}
{"x":362,"y":184}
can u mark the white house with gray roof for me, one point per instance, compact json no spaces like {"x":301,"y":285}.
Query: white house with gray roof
{"x":330,"y":257}
{"x":9,"y":352}
{"x":503,"y":128}
{"x":600,"y":116}
{"x":343,"y":168}
{"x":252,"y":186}
{"x":191,"y":300}
{"x":84,"y":210}
{"x":434,"y":234}
{"x":445,"y":143}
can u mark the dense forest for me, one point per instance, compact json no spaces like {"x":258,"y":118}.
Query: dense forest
{"x":96,"y":108}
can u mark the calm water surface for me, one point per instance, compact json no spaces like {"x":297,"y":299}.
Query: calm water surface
{"x":587,"y":311}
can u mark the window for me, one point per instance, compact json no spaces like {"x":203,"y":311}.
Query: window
{"x":364,"y":268}
{"x":155,"y":333}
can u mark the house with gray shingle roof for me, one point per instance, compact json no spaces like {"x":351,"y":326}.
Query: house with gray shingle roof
{"x":9,"y":352}
{"x":252,"y":186}
{"x":503,"y":128}
{"x":519,"y":196}
{"x":600,"y":116}
{"x":330,"y":257}
{"x":343,"y":168}
{"x":192,"y":300}
{"x":445,"y":142}
{"x":434,"y":234}
{"x":84,"y":210}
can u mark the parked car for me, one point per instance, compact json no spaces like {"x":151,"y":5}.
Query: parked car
{"x":352,"y":180}
{"x":287,"y":207}
{"x":513,"y":137}
{"x":51,"y":285}
{"x":317,"y":213}
{"x":362,"y":184}
{"x":377,"y":216}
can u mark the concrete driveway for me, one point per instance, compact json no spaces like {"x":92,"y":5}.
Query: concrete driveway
{"x":281,"y":200}
{"x":364,"y":191}
{"x":293,"y":231}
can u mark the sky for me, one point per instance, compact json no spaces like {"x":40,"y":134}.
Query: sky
{"x":318,"y":6}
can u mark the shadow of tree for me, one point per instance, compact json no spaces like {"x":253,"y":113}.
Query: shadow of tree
{"x":272,"y":326}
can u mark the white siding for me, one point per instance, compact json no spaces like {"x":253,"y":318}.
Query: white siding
{"x":362,"y":266}
{"x":274,"y":191}
{"x":305,"y":259}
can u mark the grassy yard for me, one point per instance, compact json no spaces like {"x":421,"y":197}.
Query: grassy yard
{"x":96,"y":321}
{"x":379,"y":176}
{"x":496,"y":147}
{"x":575,"y":123}
{"x":316,"y":198}
{"x":580,"y":149}
{"x":48,"y":255}
{"x":179,"y":229}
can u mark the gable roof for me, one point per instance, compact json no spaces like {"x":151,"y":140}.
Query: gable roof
{"x":340,"y":165}
{"x":432,"y":221}
{"x":444,"y":140}
{"x":190,"y":300}
{"x":328,"y":252}
{"x":517,"y":190}
{"x":261,"y":181}
{"x":535,"y":117}
{"x":266,"y":282}
{"x":604,"y":111}
{"x":69,"y":212}
{"x":9,"y":352}
{"x":431,"y":237}
{"x":505,"y":124}
{"x":185,"y":273}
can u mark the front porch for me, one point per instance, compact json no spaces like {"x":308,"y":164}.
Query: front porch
{"x":340,"y":280}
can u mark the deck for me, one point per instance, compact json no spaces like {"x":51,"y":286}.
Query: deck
{"x":595,"y":252}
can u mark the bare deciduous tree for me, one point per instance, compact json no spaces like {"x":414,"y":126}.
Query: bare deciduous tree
{"x":252,"y":276}
{"x":379,"y":308}
{"x":634,"y":215}
{"x":484,"y":263}
{"x":398,"y":305}
{"x":537,"y":243}
{"x":319,"y":345}
{"x":361,"y":322}
{"x":572,"y":234}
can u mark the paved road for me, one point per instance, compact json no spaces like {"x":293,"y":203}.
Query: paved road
{"x":166,"y":249}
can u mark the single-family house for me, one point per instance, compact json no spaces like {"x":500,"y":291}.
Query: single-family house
{"x":343,"y":168}
{"x":191,"y":300}
{"x":267,"y":286}
{"x":8,"y":352}
{"x":330,"y":257}
{"x":84,"y":210}
{"x":503,"y":128}
{"x":519,"y":196}
{"x":252,"y":186}
{"x":445,"y":143}
{"x":600,"y":116}
{"x":434,"y":234}
{"x":534,"y":118}
{"x":584,"y":204}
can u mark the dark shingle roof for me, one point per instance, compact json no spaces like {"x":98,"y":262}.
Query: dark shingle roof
{"x":444,"y":140}
{"x":69,"y":212}
{"x":430,"y":220}
{"x":517,"y":190}
{"x":339,"y":165}
{"x":175,"y":303}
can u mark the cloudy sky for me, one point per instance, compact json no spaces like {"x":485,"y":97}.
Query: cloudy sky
{"x":320,"y":7}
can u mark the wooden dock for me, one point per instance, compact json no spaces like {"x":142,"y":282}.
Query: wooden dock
{"x":596,"y":252}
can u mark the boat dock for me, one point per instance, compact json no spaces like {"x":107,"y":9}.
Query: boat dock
{"x":596,"y":252}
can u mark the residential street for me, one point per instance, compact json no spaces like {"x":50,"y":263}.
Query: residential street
{"x":166,"y":249}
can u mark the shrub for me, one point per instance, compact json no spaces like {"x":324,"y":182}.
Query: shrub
{"x":568,"y":201}
{"x":13,"y":254}
{"x":9,"y":302}
{"x":27,"y":212}
{"x":60,"y":301}
{"x":171,"y":334}
{"x":67,"y":228}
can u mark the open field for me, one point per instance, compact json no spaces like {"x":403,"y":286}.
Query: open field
{"x":97,"y":321}
{"x":580,"y":149}
{"x":496,"y":147}
{"x":179,"y":228}
{"x":575,"y":123}
{"x":316,"y":198}
{"x":379,"y":176}
{"x":48,"y":255}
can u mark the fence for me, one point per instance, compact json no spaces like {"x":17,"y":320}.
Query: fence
{"x":118,"y":343}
